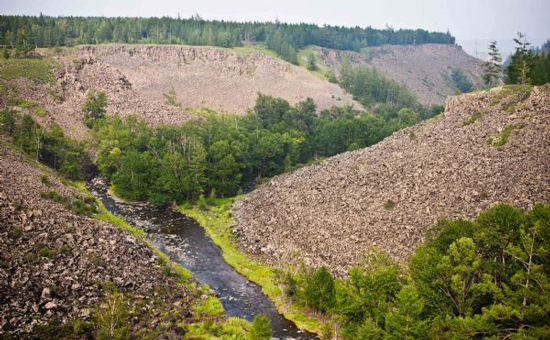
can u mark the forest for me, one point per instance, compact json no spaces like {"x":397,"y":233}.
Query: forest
{"x":219,"y":155}
{"x":284,"y":39}
{"x":482,"y":279}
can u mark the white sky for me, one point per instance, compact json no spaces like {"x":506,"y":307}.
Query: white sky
{"x":466,"y":19}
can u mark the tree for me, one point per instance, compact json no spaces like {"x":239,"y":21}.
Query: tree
{"x":320,"y":291}
{"x":94,"y":107}
{"x":311,"y":62}
{"x":518,"y":70}
{"x":492,"y":66}
{"x":5,"y":53}
{"x":261,"y":328}
{"x":23,"y":44}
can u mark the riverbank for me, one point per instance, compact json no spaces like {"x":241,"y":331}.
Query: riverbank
{"x":207,"y":309}
{"x":217,"y":222}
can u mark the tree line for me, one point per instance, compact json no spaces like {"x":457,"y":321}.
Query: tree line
{"x":285,"y":39}
{"x":527,"y":66}
{"x":482,"y":279}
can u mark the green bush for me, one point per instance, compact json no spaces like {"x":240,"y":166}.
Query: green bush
{"x":261,"y":328}
{"x":94,"y":107}
{"x":319,"y":291}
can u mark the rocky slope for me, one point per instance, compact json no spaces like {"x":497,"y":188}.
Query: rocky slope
{"x":71,"y":78}
{"x":485,"y":149}
{"x":424,"y":69}
{"x":54,"y":263}
{"x":225,"y":80}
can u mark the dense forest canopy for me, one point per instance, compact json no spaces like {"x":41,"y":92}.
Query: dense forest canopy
{"x":285,"y":39}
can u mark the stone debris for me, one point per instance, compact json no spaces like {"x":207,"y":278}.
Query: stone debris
{"x":390,"y":194}
{"x":54,"y":263}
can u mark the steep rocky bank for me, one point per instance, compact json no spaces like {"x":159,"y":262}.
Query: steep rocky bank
{"x":486,"y":148}
{"x":423,"y":69}
{"x":55,"y":263}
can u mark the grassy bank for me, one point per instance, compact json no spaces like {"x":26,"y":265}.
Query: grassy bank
{"x":217,"y":222}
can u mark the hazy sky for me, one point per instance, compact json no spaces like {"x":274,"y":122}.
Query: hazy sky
{"x":466,"y":19}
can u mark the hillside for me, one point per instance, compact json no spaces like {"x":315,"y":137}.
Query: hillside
{"x":56,"y":263}
{"x":486,"y":148}
{"x":423,"y":69}
{"x":225,"y":80}
{"x":137,"y":78}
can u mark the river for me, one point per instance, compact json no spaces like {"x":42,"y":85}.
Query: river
{"x":186,"y":242}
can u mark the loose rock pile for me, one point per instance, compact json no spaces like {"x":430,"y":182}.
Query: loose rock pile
{"x":389,"y":194}
{"x":54,"y":263}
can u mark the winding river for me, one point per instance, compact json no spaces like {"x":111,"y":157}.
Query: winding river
{"x":187,"y":243}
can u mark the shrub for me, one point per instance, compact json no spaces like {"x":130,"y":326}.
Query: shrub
{"x":319,"y":291}
{"x":110,"y":318}
{"x":389,"y":205}
{"x":261,"y":328}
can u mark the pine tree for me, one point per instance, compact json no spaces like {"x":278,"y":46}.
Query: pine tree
{"x":492,"y":66}
{"x":311,"y":62}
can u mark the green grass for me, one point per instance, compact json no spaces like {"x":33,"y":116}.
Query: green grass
{"x":250,"y":48}
{"x":38,"y":69}
{"x":218,"y":222}
{"x":503,"y":137}
{"x":510,"y":96}
{"x":210,"y":306}
{"x":473,"y":118}
{"x":40,"y":111}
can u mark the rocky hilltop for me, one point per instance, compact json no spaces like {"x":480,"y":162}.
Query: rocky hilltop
{"x":485,"y":149}
{"x":55,"y":263}
{"x":423,"y":69}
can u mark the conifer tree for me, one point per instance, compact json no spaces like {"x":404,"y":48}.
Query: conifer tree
{"x":492,"y":66}
{"x":518,"y":70}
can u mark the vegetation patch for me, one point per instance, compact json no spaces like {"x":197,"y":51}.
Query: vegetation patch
{"x":38,"y":69}
{"x":389,"y":205}
{"x":509,"y":96}
{"x":473,"y":118}
{"x":503,"y":137}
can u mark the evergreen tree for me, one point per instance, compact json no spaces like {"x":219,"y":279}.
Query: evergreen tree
{"x":518,"y":70}
{"x":5,"y":53}
{"x":492,"y":66}
{"x":311,"y":62}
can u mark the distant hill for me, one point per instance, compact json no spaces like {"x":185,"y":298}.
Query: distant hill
{"x":424,"y":69}
{"x":485,"y":149}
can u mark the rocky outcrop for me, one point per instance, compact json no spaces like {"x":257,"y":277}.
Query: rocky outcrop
{"x":486,"y":148}
{"x":423,"y":69}
{"x":55,"y":263}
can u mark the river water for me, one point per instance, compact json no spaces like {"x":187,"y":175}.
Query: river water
{"x":186,"y":242}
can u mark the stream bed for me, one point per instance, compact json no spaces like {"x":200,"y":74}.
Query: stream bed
{"x":187,"y":243}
